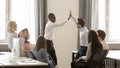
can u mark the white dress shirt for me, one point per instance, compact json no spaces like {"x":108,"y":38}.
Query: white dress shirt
{"x":83,"y":34}
{"x":49,"y":29}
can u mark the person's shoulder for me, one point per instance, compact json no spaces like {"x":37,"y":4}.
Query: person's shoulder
{"x":89,"y":44}
{"x":86,"y":29}
{"x":103,"y":42}
{"x":12,"y":34}
{"x":42,"y":50}
{"x":105,"y":45}
{"x":9,"y":33}
{"x":49,"y":23}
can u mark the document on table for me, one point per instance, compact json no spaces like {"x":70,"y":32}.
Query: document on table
{"x":27,"y":61}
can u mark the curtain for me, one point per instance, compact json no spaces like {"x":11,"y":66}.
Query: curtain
{"x":40,"y":16}
{"x":88,"y":9}
{"x":91,"y":14}
{"x":94,"y":15}
{"x":88,"y":13}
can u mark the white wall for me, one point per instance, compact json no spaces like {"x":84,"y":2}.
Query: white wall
{"x":65,"y":37}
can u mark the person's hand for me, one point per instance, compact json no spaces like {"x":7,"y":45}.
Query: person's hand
{"x":27,"y":46}
{"x":70,"y":14}
{"x":21,"y":35}
{"x":80,"y":58}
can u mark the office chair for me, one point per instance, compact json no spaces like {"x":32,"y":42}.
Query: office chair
{"x":97,"y":60}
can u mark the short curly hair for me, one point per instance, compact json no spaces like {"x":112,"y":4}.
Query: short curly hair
{"x":81,"y":21}
{"x":101,"y":34}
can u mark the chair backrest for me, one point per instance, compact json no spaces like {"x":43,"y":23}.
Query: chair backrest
{"x":97,"y":58}
{"x":29,"y":54}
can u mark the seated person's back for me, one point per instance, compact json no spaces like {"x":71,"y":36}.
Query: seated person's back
{"x":40,"y":52}
{"x":40,"y":55}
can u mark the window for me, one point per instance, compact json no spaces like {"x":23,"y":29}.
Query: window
{"x":2,"y":19}
{"x":114,"y":21}
{"x":109,"y":19}
{"x":21,"y":11}
{"x":101,"y":14}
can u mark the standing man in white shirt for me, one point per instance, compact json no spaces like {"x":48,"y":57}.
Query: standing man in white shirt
{"x":49,"y":30}
{"x":83,"y":36}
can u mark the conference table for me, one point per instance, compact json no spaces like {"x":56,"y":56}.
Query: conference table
{"x":112,"y":54}
{"x":115,"y":55}
{"x":7,"y":61}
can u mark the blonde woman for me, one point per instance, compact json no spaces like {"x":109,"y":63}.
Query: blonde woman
{"x":11,"y":28}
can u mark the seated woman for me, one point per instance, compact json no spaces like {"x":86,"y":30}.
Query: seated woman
{"x":40,"y":52}
{"x":94,"y":44}
{"x":25,"y":45}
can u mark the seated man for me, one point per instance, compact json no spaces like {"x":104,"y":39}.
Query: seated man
{"x":101,"y":37}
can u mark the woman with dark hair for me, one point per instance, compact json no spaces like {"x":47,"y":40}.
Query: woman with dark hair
{"x":94,"y":44}
{"x":40,"y":52}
